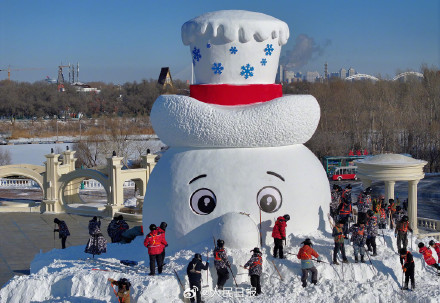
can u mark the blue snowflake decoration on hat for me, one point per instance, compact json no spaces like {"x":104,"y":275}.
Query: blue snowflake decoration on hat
{"x":268,"y":50}
{"x":196,"y":54}
{"x":217,"y":68}
{"x":263,"y":61}
{"x":247,"y":71}
{"x":233,"y":50}
{"x":208,"y":45}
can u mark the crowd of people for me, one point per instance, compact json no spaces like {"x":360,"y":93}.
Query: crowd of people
{"x":357,"y":222}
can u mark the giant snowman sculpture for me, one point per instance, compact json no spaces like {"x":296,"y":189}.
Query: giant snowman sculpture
{"x":236,"y":155}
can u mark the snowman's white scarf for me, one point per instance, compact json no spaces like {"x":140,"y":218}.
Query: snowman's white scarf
{"x":186,"y":122}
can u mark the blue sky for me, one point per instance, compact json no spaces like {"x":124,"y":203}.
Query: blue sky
{"x":122,"y":41}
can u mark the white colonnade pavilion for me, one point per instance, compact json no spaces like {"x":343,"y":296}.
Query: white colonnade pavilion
{"x":391,"y":168}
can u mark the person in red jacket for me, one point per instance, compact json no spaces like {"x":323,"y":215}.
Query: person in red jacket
{"x":427,"y":255}
{"x":161,"y":229}
{"x":155,"y":242}
{"x":436,"y":246}
{"x":279,"y":235}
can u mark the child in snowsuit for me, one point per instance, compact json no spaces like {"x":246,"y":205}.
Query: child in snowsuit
{"x":401,"y":232}
{"x":305,"y":254}
{"x":279,"y":235}
{"x":221,"y":263}
{"x":123,"y":293}
{"x":194,"y":272}
{"x":436,"y":246}
{"x":339,"y":242}
{"x":255,"y":266}
{"x":407,"y":262}
{"x":62,"y":230}
{"x":358,"y":237}
{"x":155,"y":242}
{"x":427,"y":255}
{"x":371,"y":232}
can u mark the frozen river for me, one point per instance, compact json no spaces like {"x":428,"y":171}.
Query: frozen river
{"x":34,"y":153}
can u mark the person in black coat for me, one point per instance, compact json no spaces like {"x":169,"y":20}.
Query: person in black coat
{"x":194,"y":272}
{"x":407,"y":261}
{"x":62,"y":230}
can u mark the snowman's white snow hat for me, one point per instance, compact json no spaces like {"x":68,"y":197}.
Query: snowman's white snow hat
{"x":238,"y":109}
{"x":186,"y":122}
{"x":235,"y":47}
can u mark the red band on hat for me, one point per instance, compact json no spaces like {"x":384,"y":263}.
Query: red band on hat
{"x":227,"y":94}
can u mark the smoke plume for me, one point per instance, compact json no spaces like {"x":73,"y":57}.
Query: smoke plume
{"x":304,"y":50}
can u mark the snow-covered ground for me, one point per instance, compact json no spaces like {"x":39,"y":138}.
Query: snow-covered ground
{"x":64,"y":276}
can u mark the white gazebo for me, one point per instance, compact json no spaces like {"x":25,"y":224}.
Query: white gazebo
{"x":391,"y":168}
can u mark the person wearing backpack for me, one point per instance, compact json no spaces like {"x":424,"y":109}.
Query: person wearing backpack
{"x":255,"y":266}
{"x":194,"y":272}
{"x":221,"y":263}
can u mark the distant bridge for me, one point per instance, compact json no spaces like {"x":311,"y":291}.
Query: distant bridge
{"x":362,"y":76}
{"x":416,"y":74}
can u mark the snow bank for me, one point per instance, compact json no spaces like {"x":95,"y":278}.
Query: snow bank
{"x":61,"y":276}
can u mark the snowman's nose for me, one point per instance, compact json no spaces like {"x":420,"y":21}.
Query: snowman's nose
{"x":237,"y":230}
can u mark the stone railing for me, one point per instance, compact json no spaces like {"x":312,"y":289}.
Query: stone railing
{"x":93,"y":184}
{"x":17,"y":183}
{"x":429,"y":227}
{"x":28,"y":183}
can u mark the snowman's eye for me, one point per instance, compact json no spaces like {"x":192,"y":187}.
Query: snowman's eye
{"x":203,"y":201}
{"x":269,"y":199}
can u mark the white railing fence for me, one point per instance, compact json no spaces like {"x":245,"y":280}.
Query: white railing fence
{"x":17,"y":183}
{"x":429,"y":227}
{"x":93,"y":184}
{"x":29,"y":183}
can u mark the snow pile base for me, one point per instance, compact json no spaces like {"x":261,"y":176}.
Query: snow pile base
{"x":65,"y":276}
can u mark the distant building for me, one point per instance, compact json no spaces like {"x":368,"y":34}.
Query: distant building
{"x":85,"y":88}
{"x":279,"y":78}
{"x":311,"y":76}
{"x":351,"y":72}
{"x":165,"y":77}
{"x":289,"y":76}
{"x":342,"y":73}
{"x":334,"y":75}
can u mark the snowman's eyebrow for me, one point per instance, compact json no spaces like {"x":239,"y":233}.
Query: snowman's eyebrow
{"x":275,"y":174}
{"x":196,"y":178}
